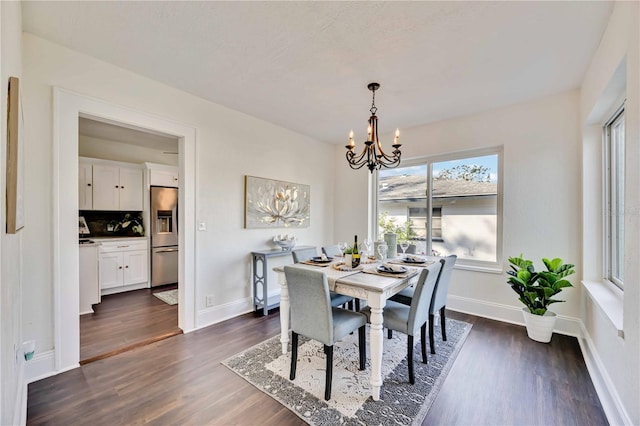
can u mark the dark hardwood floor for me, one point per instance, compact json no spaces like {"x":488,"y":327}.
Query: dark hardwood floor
{"x":123,"y":321}
{"x":499,"y":378}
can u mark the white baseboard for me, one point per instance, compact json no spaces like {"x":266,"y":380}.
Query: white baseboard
{"x":224,"y":312}
{"x":43,"y":365}
{"x":564,"y":325}
{"x":609,"y":399}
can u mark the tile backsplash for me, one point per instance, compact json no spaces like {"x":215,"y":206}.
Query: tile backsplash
{"x":112,"y":223}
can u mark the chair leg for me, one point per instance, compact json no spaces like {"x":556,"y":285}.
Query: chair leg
{"x":327,"y":386}
{"x":431,"y":342}
{"x":362,"y":346}
{"x":350,"y":305}
{"x":357,"y":305}
{"x":294,"y":355}
{"x":423,"y":342}
{"x":410,"y":358}
{"x":442,"y":324}
{"x":389,"y":334}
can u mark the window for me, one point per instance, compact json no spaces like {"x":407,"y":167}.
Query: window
{"x":445,"y":205}
{"x":614,"y":193}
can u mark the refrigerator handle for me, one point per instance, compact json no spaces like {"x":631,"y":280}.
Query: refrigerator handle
{"x":166,"y":251}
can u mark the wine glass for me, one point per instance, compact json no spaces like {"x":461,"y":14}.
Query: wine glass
{"x":367,"y":245}
{"x":404,"y":245}
{"x":342,"y":246}
{"x":382,"y":251}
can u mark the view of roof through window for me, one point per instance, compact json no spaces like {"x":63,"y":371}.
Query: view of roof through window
{"x":463,"y":217}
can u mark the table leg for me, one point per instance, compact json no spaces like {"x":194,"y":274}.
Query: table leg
{"x":376,"y":338}
{"x":284,"y":313}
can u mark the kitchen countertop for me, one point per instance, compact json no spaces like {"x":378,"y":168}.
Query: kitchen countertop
{"x":97,"y":240}
{"x":116,"y":238}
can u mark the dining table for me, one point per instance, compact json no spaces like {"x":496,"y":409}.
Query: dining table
{"x":366,"y":283}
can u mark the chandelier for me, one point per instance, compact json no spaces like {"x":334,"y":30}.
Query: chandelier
{"x":372,"y":154}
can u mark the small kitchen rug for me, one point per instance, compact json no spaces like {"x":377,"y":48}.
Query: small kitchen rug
{"x":401,"y":403}
{"x":169,"y":297}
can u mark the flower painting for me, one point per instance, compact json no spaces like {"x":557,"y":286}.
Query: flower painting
{"x":276,"y":204}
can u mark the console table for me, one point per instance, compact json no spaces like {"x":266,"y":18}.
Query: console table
{"x":259,"y":277}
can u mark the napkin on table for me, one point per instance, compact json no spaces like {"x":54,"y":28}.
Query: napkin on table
{"x":415,"y":258}
{"x":394,"y":268}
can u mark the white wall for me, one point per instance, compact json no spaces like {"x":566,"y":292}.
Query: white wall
{"x":614,"y":67}
{"x":541,"y":215}
{"x":11,"y":333}
{"x":106,"y":149}
{"x":229,"y":145}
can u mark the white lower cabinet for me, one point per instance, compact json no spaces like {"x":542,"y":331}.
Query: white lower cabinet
{"x":123,"y":264}
{"x":89,"y":285}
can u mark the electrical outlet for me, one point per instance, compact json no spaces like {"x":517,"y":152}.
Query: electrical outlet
{"x":209,"y":300}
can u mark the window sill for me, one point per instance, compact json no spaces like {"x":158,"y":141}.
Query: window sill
{"x":475,"y":268}
{"x":609,"y":299}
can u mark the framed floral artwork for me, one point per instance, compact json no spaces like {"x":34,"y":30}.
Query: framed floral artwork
{"x":15,"y":159}
{"x":272,"y":203}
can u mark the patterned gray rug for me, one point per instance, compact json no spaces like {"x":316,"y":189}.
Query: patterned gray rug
{"x":400,"y":403}
{"x":170,"y":297}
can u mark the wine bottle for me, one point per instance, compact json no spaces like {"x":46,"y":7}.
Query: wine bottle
{"x":355,"y":255}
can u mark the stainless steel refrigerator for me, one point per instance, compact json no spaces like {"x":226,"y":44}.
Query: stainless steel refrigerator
{"x":164,"y":235}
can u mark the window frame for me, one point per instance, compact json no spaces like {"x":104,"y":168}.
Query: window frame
{"x":475,"y":265}
{"x":609,"y":169}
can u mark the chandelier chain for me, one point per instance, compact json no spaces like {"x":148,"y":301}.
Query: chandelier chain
{"x":373,"y":109}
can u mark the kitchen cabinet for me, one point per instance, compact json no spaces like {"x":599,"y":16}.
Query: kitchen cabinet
{"x":164,"y":178}
{"x":122,"y":264}
{"x":85,"y":185}
{"x":117,"y":188}
{"x":163,"y":175}
{"x":89,"y":285}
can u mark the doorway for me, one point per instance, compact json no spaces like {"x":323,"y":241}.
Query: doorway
{"x":68,"y":108}
{"x":127,"y":315}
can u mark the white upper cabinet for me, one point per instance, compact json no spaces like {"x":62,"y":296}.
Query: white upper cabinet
{"x":131,"y":189}
{"x":85,"y":186}
{"x":114,"y":186}
{"x":163,"y":175}
{"x":106,"y":187}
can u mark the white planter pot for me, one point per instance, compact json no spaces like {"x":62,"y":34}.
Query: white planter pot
{"x":539,"y":327}
{"x":347,"y":260}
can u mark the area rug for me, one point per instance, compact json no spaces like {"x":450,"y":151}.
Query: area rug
{"x":169,"y":297}
{"x":400,"y":403}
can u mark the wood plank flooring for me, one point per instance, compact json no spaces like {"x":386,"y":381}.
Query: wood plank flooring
{"x":123,"y":321}
{"x":499,"y":378}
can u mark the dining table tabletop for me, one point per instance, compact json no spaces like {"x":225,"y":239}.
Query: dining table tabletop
{"x":368,"y":282}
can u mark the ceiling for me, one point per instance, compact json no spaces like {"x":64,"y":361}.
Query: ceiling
{"x":305,"y":66}
{"x":128,"y":135}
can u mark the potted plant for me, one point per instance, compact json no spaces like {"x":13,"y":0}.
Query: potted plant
{"x":536,"y":291}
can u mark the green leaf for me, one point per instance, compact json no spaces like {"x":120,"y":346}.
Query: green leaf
{"x":524,"y":275}
{"x":552,"y":265}
{"x":562,"y":284}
